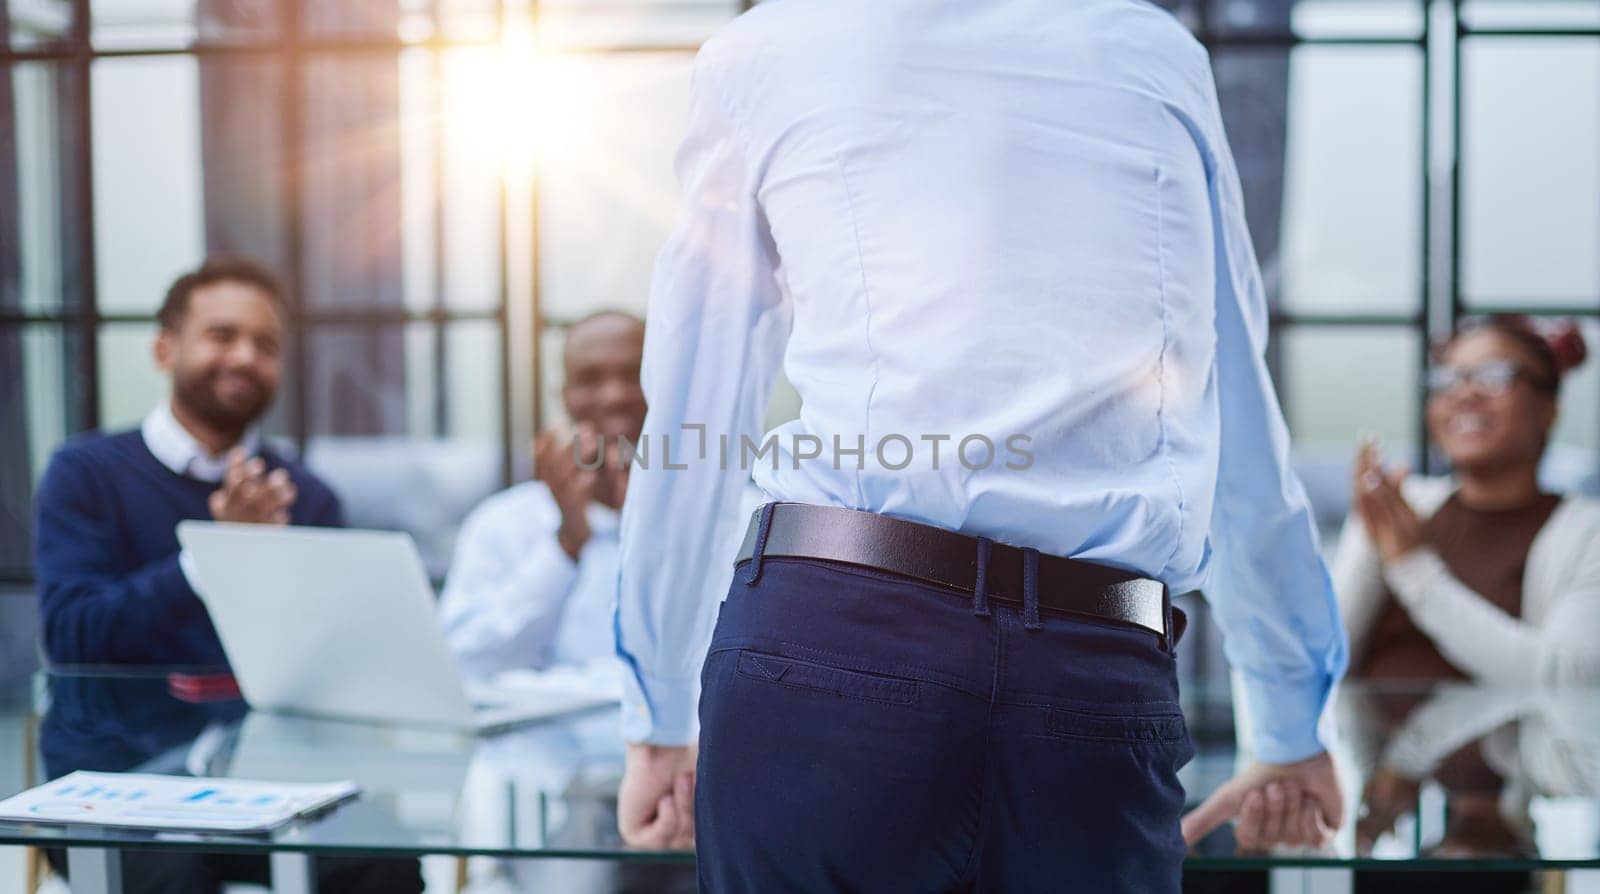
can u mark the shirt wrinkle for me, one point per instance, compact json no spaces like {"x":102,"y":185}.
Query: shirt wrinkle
{"x":866,"y":328}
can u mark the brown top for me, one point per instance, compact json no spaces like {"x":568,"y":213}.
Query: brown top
{"x":1486,"y":549}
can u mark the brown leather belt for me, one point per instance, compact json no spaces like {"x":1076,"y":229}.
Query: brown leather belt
{"x":949,"y":559}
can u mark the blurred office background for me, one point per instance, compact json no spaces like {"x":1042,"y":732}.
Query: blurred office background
{"x":444,"y":184}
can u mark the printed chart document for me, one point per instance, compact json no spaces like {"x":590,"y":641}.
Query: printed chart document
{"x":188,"y":803}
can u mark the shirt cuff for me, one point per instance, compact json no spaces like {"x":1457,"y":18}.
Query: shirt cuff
{"x":1413,"y":575}
{"x":1289,"y":720}
{"x":660,"y":711}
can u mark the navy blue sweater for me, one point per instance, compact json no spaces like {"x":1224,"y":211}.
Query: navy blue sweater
{"x":106,"y":553}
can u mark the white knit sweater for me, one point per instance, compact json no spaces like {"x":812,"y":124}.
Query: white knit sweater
{"x":1555,"y":641}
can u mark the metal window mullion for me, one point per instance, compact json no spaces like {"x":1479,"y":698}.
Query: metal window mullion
{"x":1469,"y":31}
{"x":354,"y":317}
{"x":1281,"y":319}
{"x":1456,"y":159}
{"x":1271,"y":40}
{"x":440,"y":365}
{"x":88,"y":358}
{"x":1533,"y":310}
{"x":294,"y":179}
{"x":1425,"y":286}
{"x":1453,"y":311}
{"x":1457,"y":33}
{"x":440,"y":409}
{"x":535,"y":279}
{"x":503,"y":196}
{"x":350,"y":47}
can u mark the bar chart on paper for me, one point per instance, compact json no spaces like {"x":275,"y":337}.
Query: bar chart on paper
{"x":144,"y":801}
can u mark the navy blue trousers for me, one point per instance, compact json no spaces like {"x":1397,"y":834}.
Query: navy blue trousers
{"x":864,"y":732}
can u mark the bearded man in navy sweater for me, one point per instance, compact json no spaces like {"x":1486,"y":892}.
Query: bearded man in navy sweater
{"x":113,"y":587}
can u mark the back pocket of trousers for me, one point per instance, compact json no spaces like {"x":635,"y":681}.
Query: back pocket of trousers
{"x":799,"y":674}
{"x":1166,"y":726}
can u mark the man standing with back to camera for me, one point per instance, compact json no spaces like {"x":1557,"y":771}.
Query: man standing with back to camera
{"x":1006,"y":223}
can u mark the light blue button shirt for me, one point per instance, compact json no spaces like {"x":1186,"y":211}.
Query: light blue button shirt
{"x":1017,"y":221}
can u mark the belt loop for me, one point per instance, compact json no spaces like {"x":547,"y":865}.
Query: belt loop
{"x":1030,"y":590}
{"x":980,"y":590}
{"x":752,"y":571}
{"x":1166,"y":621}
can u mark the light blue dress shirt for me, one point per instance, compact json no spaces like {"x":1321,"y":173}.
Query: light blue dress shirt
{"x":1015,"y":219}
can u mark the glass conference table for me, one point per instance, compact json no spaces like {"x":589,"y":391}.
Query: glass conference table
{"x":1449,"y":778}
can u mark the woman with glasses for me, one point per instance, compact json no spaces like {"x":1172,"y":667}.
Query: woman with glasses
{"x":1481,"y":576}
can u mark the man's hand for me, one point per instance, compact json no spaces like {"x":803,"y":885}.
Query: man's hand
{"x":555,"y":462}
{"x":1390,"y":521}
{"x":1293,"y":804}
{"x":655,"y":808}
{"x":250,"y":494}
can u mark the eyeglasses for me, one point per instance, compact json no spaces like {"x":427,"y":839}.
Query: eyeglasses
{"x":1492,"y":377}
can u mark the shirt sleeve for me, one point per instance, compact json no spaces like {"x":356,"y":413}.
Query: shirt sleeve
{"x":1269,"y":588}
{"x":1358,"y":584}
{"x":1452,"y":717}
{"x":714,"y":335}
{"x":94,"y":609}
{"x":1495,"y":647}
{"x":502,"y":603}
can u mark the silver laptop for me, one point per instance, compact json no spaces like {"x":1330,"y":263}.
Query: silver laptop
{"x":342,"y":623}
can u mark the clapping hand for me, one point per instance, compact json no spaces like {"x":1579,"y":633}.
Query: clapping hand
{"x":1390,"y":521}
{"x":252,"y":495}
{"x":556,"y":455}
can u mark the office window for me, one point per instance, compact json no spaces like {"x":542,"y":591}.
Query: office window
{"x":1352,"y":197}
{"x":36,"y":24}
{"x":472,"y":151}
{"x":1576,"y":439}
{"x":1359,"y":18}
{"x":608,"y":195}
{"x":1340,"y":383}
{"x":410,"y":20}
{"x":445,"y":184}
{"x":174,"y":24}
{"x":1530,"y":213}
{"x":43,"y":186}
{"x":149,"y":218}
{"x":1553,"y":15}
{"x":128,"y":384}
{"x":41,"y":403}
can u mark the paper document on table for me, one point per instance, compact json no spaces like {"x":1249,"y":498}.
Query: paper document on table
{"x":190,"y":803}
